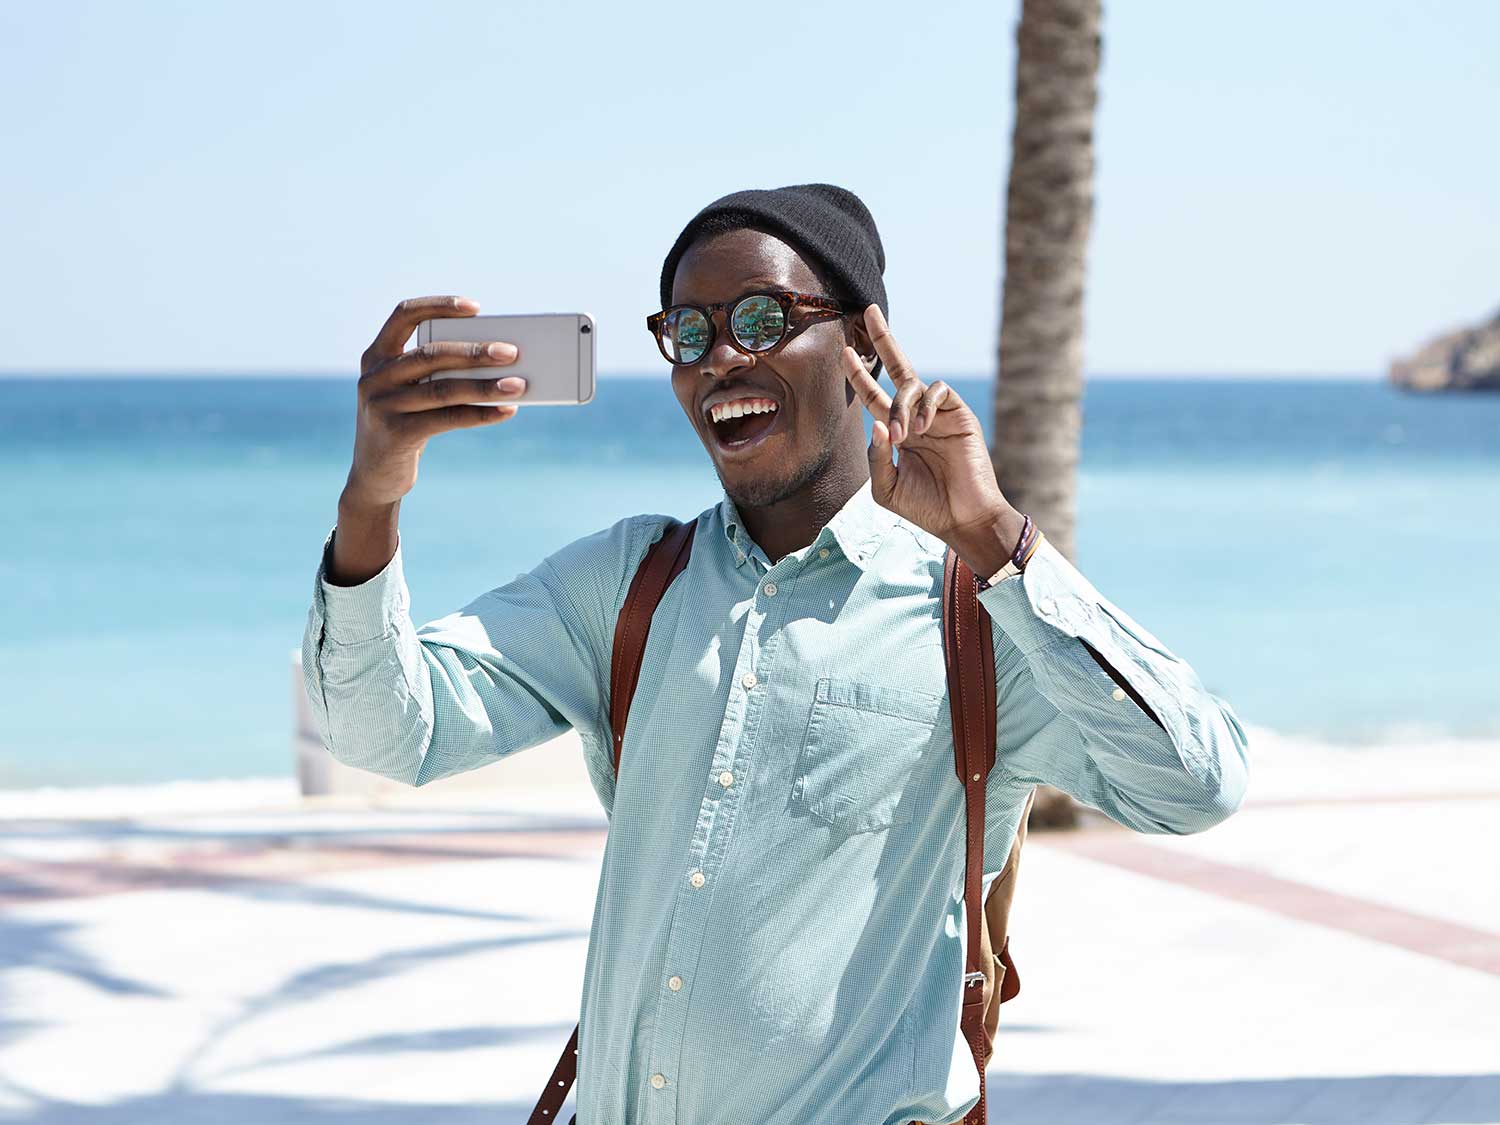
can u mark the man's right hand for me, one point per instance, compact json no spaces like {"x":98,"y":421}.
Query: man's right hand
{"x":397,"y":413}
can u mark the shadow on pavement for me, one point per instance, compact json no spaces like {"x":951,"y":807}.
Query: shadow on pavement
{"x":1070,"y":1099}
{"x":1387,"y":1099}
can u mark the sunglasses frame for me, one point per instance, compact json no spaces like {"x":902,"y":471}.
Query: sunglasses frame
{"x":786,"y":298}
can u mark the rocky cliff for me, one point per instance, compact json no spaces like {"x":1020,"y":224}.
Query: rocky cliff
{"x":1465,"y":360}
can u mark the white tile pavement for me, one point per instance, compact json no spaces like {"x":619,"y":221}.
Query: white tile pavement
{"x":421,"y":960}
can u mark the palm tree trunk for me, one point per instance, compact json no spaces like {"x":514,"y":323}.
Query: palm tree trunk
{"x":1048,"y":210}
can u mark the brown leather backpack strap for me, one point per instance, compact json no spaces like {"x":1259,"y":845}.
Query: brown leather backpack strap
{"x":970,"y":659}
{"x":664,"y":561}
{"x":997,"y":912}
{"x":558,"y":1086}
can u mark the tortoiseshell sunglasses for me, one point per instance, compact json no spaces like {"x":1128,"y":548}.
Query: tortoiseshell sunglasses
{"x":757,"y":323}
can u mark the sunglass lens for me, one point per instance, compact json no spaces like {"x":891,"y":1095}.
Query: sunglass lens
{"x":758,"y":322}
{"x":685,"y":335}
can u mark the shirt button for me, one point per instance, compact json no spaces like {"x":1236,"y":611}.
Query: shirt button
{"x":1046,"y":605}
{"x":696,"y":879}
{"x":1118,"y":693}
{"x":823,"y":554}
{"x":770,"y":589}
{"x":726,"y":779}
{"x":658,"y":1080}
{"x":675,"y":984}
{"x":749,"y":680}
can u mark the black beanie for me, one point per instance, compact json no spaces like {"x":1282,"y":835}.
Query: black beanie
{"x":827,"y":224}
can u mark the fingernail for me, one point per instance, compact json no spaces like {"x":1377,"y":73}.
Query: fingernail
{"x":501,"y":351}
{"x":896,"y":432}
{"x":511,"y":383}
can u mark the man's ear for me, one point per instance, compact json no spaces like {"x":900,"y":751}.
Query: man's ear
{"x":858,"y":337}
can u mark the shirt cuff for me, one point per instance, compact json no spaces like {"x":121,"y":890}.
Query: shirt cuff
{"x":353,"y":614}
{"x":1048,"y":597}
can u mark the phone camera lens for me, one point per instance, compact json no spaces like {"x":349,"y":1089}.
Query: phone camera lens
{"x":585,"y":329}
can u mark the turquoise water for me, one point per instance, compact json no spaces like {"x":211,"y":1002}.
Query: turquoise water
{"x":1324,"y":552}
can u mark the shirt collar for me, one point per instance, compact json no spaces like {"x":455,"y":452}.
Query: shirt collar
{"x":858,"y":528}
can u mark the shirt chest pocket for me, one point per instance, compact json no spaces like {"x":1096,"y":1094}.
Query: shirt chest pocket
{"x":866,"y":748}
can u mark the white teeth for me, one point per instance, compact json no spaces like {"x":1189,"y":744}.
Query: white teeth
{"x":722,"y":410}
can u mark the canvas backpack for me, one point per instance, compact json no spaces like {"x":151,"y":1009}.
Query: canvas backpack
{"x":990,"y":977}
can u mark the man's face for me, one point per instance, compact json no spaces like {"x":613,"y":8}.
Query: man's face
{"x":762,"y":458}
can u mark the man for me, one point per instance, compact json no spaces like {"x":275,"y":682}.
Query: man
{"x":778,"y":935}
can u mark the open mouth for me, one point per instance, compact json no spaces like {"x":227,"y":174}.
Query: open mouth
{"x":744,"y":424}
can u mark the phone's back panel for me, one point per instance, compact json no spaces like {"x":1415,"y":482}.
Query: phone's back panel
{"x":556,"y":353}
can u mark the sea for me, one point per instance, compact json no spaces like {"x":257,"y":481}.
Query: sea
{"x":1324,"y":552}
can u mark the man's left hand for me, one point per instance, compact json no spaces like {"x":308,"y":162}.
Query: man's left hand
{"x":945,"y":483}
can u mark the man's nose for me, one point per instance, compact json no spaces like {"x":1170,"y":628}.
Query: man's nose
{"x":722,"y":357}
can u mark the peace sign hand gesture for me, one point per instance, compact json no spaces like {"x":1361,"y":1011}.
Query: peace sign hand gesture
{"x":945,"y":483}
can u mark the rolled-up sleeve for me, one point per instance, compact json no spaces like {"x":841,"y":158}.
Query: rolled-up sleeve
{"x":1127,"y":728}
{"x":515,"y":667}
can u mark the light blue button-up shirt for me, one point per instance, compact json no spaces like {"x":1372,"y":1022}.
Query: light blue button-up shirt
{"x":778,"y":936}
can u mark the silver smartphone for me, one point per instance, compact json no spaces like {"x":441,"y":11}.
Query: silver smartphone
{"x":556,"y":353}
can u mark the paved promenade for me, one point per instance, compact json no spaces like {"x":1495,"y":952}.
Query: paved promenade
{"x":235,"y":955}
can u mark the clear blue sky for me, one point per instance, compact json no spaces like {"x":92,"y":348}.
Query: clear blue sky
{"x":1282,"y":187}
